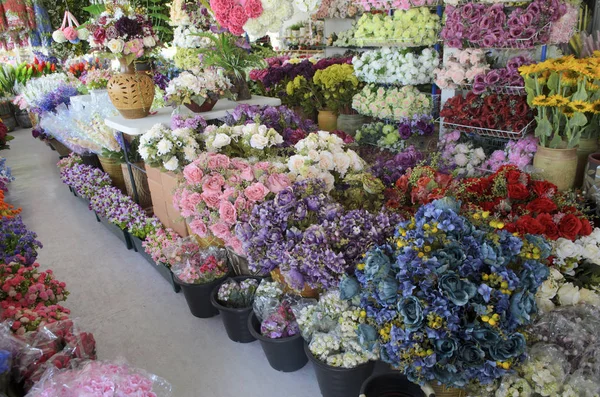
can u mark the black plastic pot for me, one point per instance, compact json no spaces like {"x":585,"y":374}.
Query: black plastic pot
{"x":123,"y":235}
{"x":91,"y":159}
{"x":198,"y":297}
{"x":285,"y":354}
{"x":392,"y":384}
{"x":234,"y":320}
{"x":162,"y":269}
{"x":339,"y":382}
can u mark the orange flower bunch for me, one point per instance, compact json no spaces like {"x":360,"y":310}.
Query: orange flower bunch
{"x":7,"y":210}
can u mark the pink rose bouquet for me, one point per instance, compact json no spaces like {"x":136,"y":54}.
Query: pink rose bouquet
{"x":217,"y":192}
{"x":194,"y":265}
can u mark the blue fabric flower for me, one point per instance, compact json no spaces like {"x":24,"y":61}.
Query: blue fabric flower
{"x":457,"y":290}
{"x":411,"y":311}
{"x":349,"y":288}
{"x":377,"y":265}
{"x":511,"y":347}
{"x":445,"y":348}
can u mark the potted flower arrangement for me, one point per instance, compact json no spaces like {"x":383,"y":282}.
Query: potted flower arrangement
{"x":439,"y":303}
{"x":217,"y":192}
{"x":153,"y":249}
{"x":338,"y":84}
{"x":274,"y":324}
{"x":167,"y":149}
{"x":197,"y":271}
{"x":233,"y":299}
{"x":246,"y":141}
{"x":332,"y":329}
{"x":96,"y":79}
{"x":564,"y":93}
{"x":199,"y":93}
{"x":127,"y":33}
{"x":18,"y":243}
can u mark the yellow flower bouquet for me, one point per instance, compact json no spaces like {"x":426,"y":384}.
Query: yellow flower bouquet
{"x":566,"y":93}
{"x":338,"y":84}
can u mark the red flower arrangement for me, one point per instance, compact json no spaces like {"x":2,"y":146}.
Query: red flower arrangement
{"x":492,"y":111}
{"x":26,"y":286}
{"x":419,"y":186}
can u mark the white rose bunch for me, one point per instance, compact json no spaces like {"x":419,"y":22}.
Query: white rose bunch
{"x":394,"y":66}
{"x":392,"y":103}
{"x":250,"y":140}
{"x":169,"y":149}
{"x":184,"y":36}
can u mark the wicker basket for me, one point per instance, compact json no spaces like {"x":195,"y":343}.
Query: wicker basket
{"x":443,"y":391}
{"x":307,"y":292}
{"x":141,"y":184}
{"x":113,"y":169}
{"x":132,"y":93}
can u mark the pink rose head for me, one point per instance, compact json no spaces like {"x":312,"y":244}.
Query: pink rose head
{"x":278,"y":182}
{"x":216,"y":161}
{"x":253,"y":8}
{"x":236,"y":245}
{"x":198,"y":227}
{"x":234,"y":179}
{"x":227,"y":212}
{"x":70,"y":33}
{"x":220,"y":230}
{"x":237,"y":16}
{"x":240,"y":204}
{"x":211,"y":199}
{"x":193,"y":175}
{"x":247,"y":174}
{"x":263,"y":165}
{"x":256,"y":192}
{"x":213,"y":183}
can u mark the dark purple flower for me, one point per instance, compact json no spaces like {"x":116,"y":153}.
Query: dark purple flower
{"x":129,"y":28}
{"x":404,"y":130}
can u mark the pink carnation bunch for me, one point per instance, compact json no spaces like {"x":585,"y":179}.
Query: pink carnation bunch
{"x":217,"y":192}
{"x":233,"y":14}
{"x":30,"y":319}
{"x":26,"y":286}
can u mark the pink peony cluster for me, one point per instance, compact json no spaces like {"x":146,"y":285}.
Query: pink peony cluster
{"x":519,"y":153}
{"x":233,"y":14}
{"x":460,"y":68}
{"x":217,"y":192}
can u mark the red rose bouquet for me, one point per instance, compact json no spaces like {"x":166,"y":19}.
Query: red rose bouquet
{"x":419,"y":186}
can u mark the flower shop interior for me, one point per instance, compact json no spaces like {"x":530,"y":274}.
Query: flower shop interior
{"x":337,"y":198}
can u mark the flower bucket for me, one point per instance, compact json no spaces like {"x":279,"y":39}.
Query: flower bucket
{"x":307,"y":292}
{"x":234,"y":320}
{"x":586,"y":147}
{"x":327,"y":120}
{"x":130,"y":92}
{"x":162,"y":269}
{"x":113,"y":169}
{"x":443,"y":391}
{"x":589,"y":179}
{"x":123,"y":235}
{"x":349,"y":123}
{"x":393,"y":384}
{"x":198,"y":297}
{"x":337,"y":381}
{"x":558,"y":166}
{"x":284,"y":354}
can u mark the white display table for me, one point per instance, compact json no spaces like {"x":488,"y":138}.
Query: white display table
{"x":140,"y":126}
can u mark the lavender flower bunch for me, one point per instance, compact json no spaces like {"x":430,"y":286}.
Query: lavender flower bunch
{"x":195,"y":122}
{"x":17,"y":244}
{"x":282,"y":119}
{"x":496,"y":79}
{"x":84,"y":179}
{"x":389,"y":171}
{"x":51,"y":100}
{"x":281,"y":323}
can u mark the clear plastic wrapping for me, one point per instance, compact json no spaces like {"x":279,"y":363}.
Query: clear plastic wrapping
{"x":95,"y":378}
{"x":267,"y":298}
{"x":190,"y":263}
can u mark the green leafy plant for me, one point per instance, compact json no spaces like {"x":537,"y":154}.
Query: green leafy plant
{"x":158,"y":11}
{"x":8,"y":77}
{"x":226,"y":52}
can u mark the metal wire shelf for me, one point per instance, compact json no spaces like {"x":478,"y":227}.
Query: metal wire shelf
{"x":489,"y":132}
{"x":508,"y":90}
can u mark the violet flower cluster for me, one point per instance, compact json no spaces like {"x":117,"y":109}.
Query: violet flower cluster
{"x":308,"y":236}
{"x":51,"y":100}
{"x":281,"y":323}
{"x":289,"y":71}
{"x":84,"y":179}
{"x":121,"y":210}
{"x":498,"y":26}
{"x":17,"y":244}
{"x":389,"y":171}
{"x":496,"y":79}
{"x":285,"y":121}
{"x":195,"y":122}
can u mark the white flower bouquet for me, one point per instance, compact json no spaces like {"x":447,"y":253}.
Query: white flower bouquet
{"x":395,"y":66}
{"x":392,"y":103}
{"x":320,"y":155}
{"x":556,"y":291}
{"x":414,"y":27}
{"x":169,"y":149}
{"x":248,"y":141}
{"x":190,"y":89}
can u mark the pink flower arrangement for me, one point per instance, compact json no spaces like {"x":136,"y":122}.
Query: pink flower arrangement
{"x":233,"y":15}
{"x":519,"y":153}
{"x":217,"y":192}
{"x":460,"y":68}
{"x":158,"y":242}
{"x":368,"y":5}
{"x":30,"y":319}
{"x":26,"y":286}
{"x":194,"y":265}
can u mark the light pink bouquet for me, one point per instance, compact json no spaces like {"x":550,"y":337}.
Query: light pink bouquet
{"x":368,"y":5}
{"x":217,"y":192}
{"x":460,"y":68}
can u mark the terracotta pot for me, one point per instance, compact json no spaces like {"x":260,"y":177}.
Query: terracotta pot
{"x":558,"y":166}
{"x":306,"y":292}
{"x":327,"y":120}
{"x":113,"y":168}
{"x":130,"y":92}
{"x":349,"y":123}
{"x":586,"y":147}
{"x":141,"y":184}
{"x":207,"y":106}
{"x":589,"y":177}
{"x":443,"y":391}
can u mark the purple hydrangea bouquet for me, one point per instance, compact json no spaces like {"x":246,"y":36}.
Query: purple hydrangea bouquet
{"x":17,"y":244}
{"x":308,"y":236}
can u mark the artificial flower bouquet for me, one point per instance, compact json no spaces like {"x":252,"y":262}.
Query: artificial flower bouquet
{"x":252,"y":141}
{"x":198,"y":89}
{"x":45,"y":93}
{"x":96,"y":79}
{"x":274,"y":310}
{"x":418,"y":186}
{"x":255,"y":17}
{"x":457,"y":320}
{"x":27,"y":286}
{"x":6,"y":176}
{"x":556,"y":291}
{"x":335,"y":9}
{"x":27,"y":319}
{"x":291,"y":126}
{"x":386,"y":5}
{"x":338,"y":85}
{"x":323,"y":155}
{"x":169,"y":149}
{"x":569,"y":253}
{"x":237,"y":294}
{"x":519,"y":153}
{"x":506,"y":79}
{"x":84,"y":179}
{"x":6,"y":210}
{"x":309,"y":237}
{"x":123,"y":30}
{"x":217,"y":192}
{"x":508,"y":115}
{"x":406,"y":28}
{"x":463,"y":159}
{"x":159,"y":241}
{"x":460,"y":68}
{"x":500,"y":26}
{"x":194,"y":265}
{"x":333,"y":329}
{"x":391,"y":65}
{"x":565,"y":93}
{"x":393,"y":137}
{"x":389,"y":170}
{"x":392,"y":103}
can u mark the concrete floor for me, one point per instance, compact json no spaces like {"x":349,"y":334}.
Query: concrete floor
{"x":129,"y":307}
